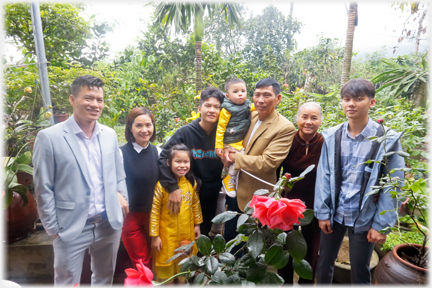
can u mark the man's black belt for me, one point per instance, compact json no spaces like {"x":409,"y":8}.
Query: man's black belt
{"x":96,"y":218}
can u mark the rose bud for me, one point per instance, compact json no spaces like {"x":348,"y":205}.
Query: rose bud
{"x":287,"y":176}
{"x":28,"y":90}
{"x":380,"y":121}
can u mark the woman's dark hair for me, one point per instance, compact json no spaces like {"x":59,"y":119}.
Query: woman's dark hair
{"x":182,"y":147}
{"x":135,"y":112}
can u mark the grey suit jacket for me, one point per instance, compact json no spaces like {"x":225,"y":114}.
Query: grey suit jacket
{"x":61,"y":184}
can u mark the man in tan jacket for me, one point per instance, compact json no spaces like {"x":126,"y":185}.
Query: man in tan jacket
{"x":266,"y":144}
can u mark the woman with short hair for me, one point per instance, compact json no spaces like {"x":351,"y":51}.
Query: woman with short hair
{"x":140,"y":159}
{"x":305,"y":151}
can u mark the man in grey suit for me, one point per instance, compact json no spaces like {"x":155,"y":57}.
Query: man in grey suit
{"x":80,"y":187}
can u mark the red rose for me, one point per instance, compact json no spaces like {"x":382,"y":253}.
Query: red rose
{"x":282,"y":214}
{"x":142,"y":277}
{"x":287,"y":176}
{"x":380,"y":121}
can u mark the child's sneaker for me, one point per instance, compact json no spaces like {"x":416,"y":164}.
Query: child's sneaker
{"x":229,"y":185}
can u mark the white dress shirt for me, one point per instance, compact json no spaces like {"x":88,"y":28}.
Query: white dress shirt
{"x":91,"y":151}
{"x":257,"y":124}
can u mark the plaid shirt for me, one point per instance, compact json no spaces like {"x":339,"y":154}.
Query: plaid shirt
{"x":354,"y":150}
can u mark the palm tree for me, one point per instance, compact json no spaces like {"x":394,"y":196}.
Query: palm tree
{"x":408,"y":81}
{"x":183,"y":14}
{"x":352,"y":22}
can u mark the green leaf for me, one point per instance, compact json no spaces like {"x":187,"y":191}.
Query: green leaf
{"x":280,"y":260}
{"x":242,"y":219}
{"x":403,"y":154}
{"x":373,"y":192}
{"x":389,"y":154}
{"x":272,"y":252}
{"x":224,"y":217}
{"x":174,"y":257}
{"x":21,"y":190}
{"x":281,"y":238}
{"x":188,"y":265}
{"x":211,"y":265}
{"x":247,"y":228}
{"x":197,"y":260}
{"x":303,"y":269}
{"x":185,"y":260}
{"x":261,"y":192}
{"x":227,"y":258}
{"x":273,"y":278}
{"x":296,"y":245}
{"x":204,"y":245}
{"x":219,"y":243}
{"x":233,"y":280}
{"x":200,"y":279}
{"x":185,"y":247}
{"x":24,"y":158}
{"x":308,"y":217}
{"x":8,"y":198}
{"x":255,"y":243}
{"x":247,"y":260}
{"x":256,"y":273}
{"x":25,"y":168}
{"x":307,"y":170}
{"x":220,"y":277}
{"x":248,"y":210}
{"x":23,"y":122}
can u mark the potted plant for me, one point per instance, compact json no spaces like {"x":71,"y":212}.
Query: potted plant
{"x":19,"y":205}
{"x":408,"y":262}
{"x":398,"y":237}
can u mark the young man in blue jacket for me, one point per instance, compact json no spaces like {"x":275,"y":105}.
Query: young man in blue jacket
{"x":342,"y":185}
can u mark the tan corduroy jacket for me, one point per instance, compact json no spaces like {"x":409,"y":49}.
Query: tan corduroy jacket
{"x":267,"y":149}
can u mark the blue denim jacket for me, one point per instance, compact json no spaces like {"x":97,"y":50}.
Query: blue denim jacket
{"x":325,"y":187}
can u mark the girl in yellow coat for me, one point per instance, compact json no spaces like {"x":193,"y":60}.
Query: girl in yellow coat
{"x":170,"y":231}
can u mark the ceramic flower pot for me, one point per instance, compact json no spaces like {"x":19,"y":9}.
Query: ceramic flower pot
{"x":20,"y":220}
{"x":60,"y":117}
{"x":392,"y":269}
{"x":24,"y":178}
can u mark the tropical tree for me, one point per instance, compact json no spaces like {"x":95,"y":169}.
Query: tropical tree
{"x":352,"y":22}
{"x":65,"y":31}
{"x":270,"y":29}
{"x":404,"y":80}
{"x":181,"y":15}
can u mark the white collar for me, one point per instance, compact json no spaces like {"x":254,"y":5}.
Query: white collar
{"x":138,"y":147}
{"x":77,"y":129}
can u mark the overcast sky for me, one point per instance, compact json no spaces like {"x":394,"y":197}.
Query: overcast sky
{"x":379,"y":24}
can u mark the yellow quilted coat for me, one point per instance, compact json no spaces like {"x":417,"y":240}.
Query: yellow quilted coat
{"x":174,"y":228}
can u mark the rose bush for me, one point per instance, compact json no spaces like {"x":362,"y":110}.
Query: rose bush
{"x":262,"y":246}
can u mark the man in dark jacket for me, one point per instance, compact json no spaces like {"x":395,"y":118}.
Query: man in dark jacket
{"x":200,"y":137}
